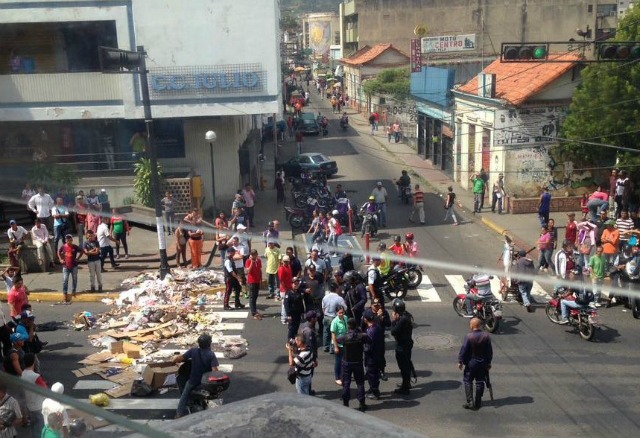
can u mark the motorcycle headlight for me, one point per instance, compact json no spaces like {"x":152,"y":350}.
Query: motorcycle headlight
{"x":497,"y":313}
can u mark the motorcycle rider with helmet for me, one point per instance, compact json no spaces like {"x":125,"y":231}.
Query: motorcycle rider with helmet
{"x":203,"y":360}
{"x":482,"y":283}
{"x":627,"y":273}
{"x":411,"y":247}
{"x":370,"y":207}
{"x":385,"y":260}
{"x":344,"y":121}
{"x":402,"y":331}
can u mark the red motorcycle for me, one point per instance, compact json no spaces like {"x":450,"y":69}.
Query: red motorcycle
{"x":489,"y":310}
{"x":585,"y":318}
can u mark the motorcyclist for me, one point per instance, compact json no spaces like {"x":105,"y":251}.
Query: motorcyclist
{"x":340,"y":193}
{"x":371,"y":206}
{"x":404,"y":181}
{"x":482,"y":283}
{"x":203,"y":360}
{"x":627,"y":273}
{"x":344,"y":120}
{"x":385,"y":260}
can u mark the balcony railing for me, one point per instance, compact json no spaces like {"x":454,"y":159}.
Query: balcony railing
{"x":59,"y":87}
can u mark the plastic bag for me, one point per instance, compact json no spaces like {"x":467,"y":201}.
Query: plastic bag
{"x":100,"y":399}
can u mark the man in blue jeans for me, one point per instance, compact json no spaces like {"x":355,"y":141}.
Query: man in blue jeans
{"x":203,"y":360}
{"x":330,"y":304}
{"x":69,"y":254}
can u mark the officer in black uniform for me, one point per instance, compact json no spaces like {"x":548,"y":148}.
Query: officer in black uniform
{"x":402,"y":330}
{"x":355,"y":294}
{"x":353,"y":342}
{"x":294,"y":307}
{"x":233,"y":280}
{"x":475,"y":355}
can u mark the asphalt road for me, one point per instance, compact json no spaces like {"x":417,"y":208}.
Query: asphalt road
{"x":547,"y":381}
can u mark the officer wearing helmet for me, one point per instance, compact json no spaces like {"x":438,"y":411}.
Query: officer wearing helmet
{"x":355,"y":295}
{"x":372,"y":207}
{"x":203,"y":360}
{"x":385,"y":259}
{"x":402,"y":331}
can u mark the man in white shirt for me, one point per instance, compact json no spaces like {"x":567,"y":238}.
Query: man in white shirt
{"x":50,"y":406}
{"x":40,"y":237}
{"x":17,"y":234}
{"x":104,"y":240}
{"x":380,"y":195}
{"x":41,"y":204}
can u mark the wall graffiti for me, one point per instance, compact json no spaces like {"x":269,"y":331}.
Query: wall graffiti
{"x":528,"y":125}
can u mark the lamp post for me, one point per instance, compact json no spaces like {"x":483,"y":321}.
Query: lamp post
{"x":211,"y":137}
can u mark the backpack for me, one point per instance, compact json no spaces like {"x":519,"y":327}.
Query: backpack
{"x":338,"y":227}
{"x":585,"y":297}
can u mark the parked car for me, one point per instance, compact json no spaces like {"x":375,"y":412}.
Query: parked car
{"x":313,"y":162}
{"x":309,"y":126}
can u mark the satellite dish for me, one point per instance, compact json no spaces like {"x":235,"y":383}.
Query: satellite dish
{"x":420,"y":30}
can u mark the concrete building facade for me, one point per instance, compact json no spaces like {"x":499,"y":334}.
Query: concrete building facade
{"x":206,"y":72}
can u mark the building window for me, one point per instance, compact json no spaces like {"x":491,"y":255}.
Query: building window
{"x":590,"y":9}
{"x":336,"y":37}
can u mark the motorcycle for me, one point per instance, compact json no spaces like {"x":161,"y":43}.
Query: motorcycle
{"x":489,"y":310}
{"x":405,"y":194}
{"x":396,"y":284}
{"x":369,"y":223}
{"x":344,"y":123}
{"x":414,"y":276}
{"x":297,"y":217}
{"x":584,"y":318}
{"x":211,"y":386}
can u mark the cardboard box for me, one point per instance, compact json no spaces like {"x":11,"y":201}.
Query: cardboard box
{"x":155,"y":374}
{"x":131,"y":350}
{"x":117,"y":347}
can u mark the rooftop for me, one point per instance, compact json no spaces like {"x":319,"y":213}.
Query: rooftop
{"x":368,"y":54}
{"x":516,"y":82}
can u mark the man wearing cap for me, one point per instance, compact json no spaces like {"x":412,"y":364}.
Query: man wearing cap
{"x":380,"y":196}
{"x":41,"y":204}
{"x":525,"y":266}
{"x":69,"y":255}
{"x":17,"y":235}
{"x":104,"y":239}
{"x":370,"y":207}
{"x":285,"y":283}
{"x":498,"y":194}
{"x":373,"y":353}
{"x":273,"y":256}
{"x":233,"y":280}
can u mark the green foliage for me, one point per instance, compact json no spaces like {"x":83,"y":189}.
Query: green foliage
{"x":142,"y":181}
{"x":53,"y":176}
{"x":395,"y":81}
{"x":605,"y":107}
{"x":290,"y":22}
{"x":128,"y":200}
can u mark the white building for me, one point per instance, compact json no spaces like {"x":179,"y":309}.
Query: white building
{"x":213,"y":65}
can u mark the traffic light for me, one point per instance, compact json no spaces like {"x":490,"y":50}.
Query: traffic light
{"x":618,"y":51}
{"x":116,"y":60}
{"x":524,"y":52}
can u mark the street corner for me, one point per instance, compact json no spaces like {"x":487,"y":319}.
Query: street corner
{"x":494,"y":226}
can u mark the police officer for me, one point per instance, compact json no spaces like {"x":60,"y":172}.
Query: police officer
{"x":355,"y":295}
{"x":233,"y":280}
{"x":475,"y":356}
{"x":402,"y":330}
{"x":375,"y":281}
{"x":373,"y":353}
{"x":294,"y":307}
{"x":353,"y":342}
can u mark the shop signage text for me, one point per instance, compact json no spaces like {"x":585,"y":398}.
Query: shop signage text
{"x":449,"y":43}
{"x":209,"y":81}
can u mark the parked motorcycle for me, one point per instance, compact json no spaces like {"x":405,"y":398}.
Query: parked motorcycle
{"x":489,"y":310}
{"x":585,"y":318}
{"x":396,"y":284}
{"x":211,"y":386}
{"x":297,"y":217}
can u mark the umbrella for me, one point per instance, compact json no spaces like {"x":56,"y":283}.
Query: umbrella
{"x":299,"y":69}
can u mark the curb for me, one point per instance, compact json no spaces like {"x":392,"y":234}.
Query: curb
{"x":495,"y":227}
{"x":93,"y":297}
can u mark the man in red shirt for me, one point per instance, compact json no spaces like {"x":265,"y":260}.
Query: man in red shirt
{"x":285,"y":275}
{"x":571,"y":231}
{"x":254,"y":279}
{"x":69,"y":255}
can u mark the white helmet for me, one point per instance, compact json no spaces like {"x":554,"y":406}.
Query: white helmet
{"x":335,"y":212}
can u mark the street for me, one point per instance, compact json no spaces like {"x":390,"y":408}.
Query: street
{"x":547,"y":381}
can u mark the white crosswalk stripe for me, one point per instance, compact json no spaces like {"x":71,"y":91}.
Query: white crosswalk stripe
{"x":430,"y":294}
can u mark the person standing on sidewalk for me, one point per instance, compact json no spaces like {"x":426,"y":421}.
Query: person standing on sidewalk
{"x":196,"y":240}
{"x":597,"y":267}
{"x":544,"y":206}
{"x":498,"y":193}
{"x":397,"y":132}
{"x":380,"y":195}
{"x":389,"y":133}
{"x":273,"y":256}
{"x":372,"y":123}
{"x":41,"y":204}
{"x":69,"y":255}
{"x":249,"y":197}
{"x":81,"y":219}
{"x":233,"y":280}
{"x":91,"y":249}
{"x":448,"y":206}
{"x":104,"y":239}
{"x":120,"y":230}
{"x":478,"y":190}
{"x":60,"y":215}
{"x":299,"y":140}
{"x":168,"y":212}
{"x":254,"y":280}
{"x":376,"y":120}
{"x":418,"y":204}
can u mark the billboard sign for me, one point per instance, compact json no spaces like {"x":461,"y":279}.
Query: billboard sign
{"x":416,"y":56}
{"x":449,"y":43}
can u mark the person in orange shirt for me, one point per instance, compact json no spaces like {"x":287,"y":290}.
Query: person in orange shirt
{"x":610,"y":241}
{"x":397,"y":248}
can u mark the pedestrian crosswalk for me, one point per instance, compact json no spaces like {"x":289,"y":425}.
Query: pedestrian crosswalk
{"x":430,"y":292}
{"x":161,"y":406}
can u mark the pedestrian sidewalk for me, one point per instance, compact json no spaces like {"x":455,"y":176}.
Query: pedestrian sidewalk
{"x":524,"y":229}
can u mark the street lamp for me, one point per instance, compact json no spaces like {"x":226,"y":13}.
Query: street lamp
{"x":211,"y":137}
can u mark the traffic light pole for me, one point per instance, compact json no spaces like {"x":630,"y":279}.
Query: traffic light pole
{"x":151,"y":152}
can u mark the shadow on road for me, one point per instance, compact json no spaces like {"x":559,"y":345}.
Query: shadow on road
{"x":508,"y":401}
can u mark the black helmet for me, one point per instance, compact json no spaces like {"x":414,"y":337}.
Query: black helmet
{"x":382,"y":246}
{"x":204,"y":341}
{"x":350,"y":276}
{"x":397,"y":239}
{"x":399,"y":306}
{"x":404,"y":172}
{"x":77,"y":427}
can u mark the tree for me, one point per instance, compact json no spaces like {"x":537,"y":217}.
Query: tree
{"x":394,"y":81}
{"x":605,"y":107}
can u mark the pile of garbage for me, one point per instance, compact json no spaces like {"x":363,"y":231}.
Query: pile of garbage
{"x":151,"y":322}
